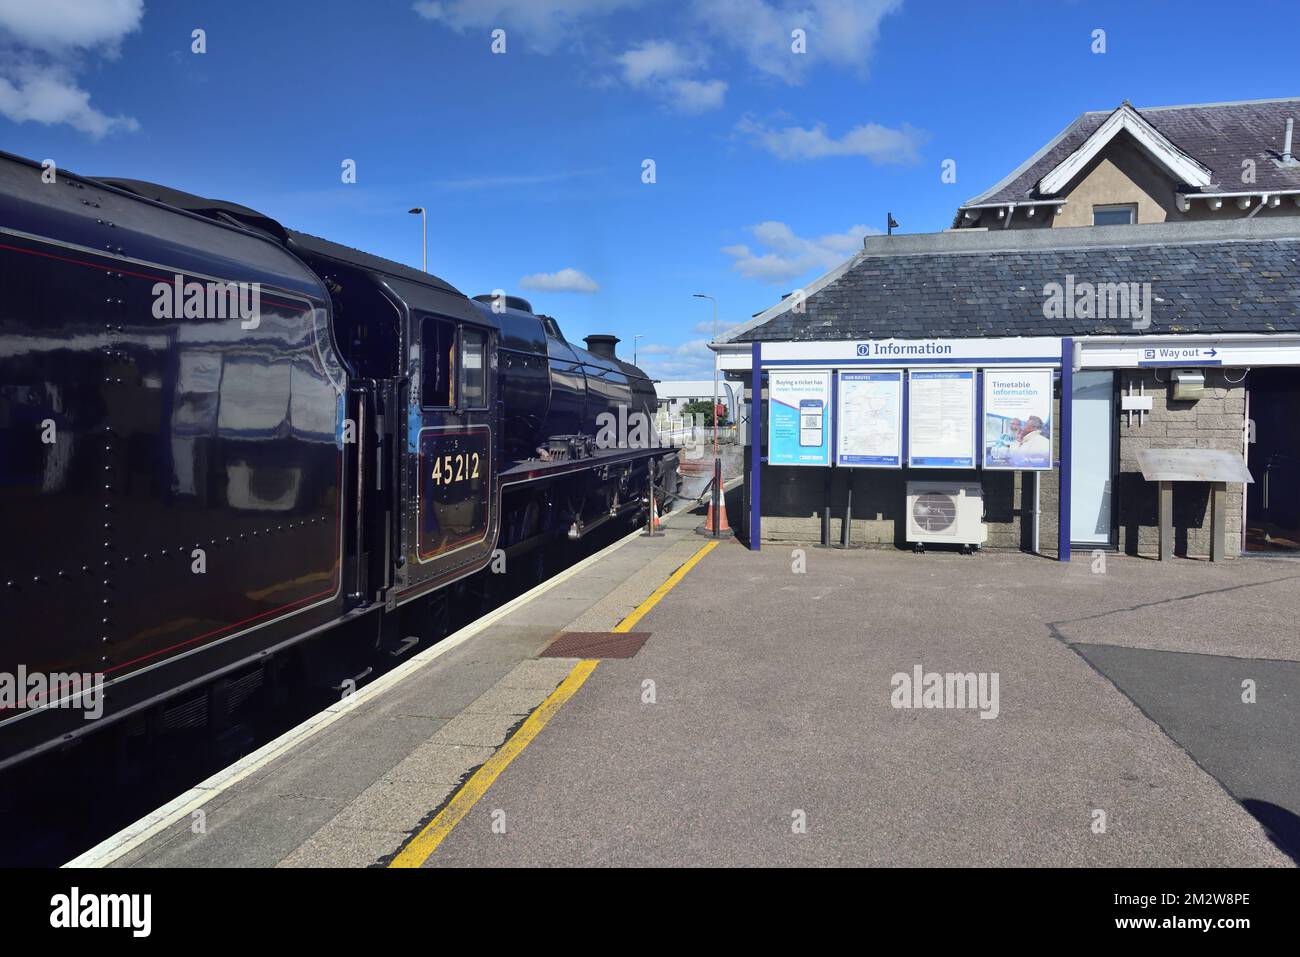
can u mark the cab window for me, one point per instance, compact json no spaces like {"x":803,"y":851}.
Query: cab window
{"x":473,"y":371}
{"x":438,"y":363}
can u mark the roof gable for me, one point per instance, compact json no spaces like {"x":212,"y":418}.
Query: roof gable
{"x":1220,"y":136}
{"x":1184,"y":169}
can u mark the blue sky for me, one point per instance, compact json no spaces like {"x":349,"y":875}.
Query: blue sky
{"x":769,"y":164}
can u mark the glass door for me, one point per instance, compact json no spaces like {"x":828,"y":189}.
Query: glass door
{"x":1092,"y":470}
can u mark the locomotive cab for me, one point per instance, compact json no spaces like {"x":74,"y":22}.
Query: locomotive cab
{"x":428,"y":412}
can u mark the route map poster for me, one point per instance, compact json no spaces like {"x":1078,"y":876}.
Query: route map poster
{"x":869,"y":418}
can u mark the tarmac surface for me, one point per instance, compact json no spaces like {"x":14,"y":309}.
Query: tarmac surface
{"x":761,"y":723}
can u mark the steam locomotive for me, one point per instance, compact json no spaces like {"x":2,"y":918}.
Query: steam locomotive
{"x":220,"y":437}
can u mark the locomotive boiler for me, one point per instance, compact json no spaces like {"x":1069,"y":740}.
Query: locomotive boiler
{"x":220,"y":437}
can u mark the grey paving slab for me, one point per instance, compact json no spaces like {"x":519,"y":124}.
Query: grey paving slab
{"x":543,"y":673}
{"x":251,"y":829}
{"x":345,"y":758}
{"x":436,"y":763}
{"x":775,"y":703}
{"x":516,"y":701}
{"x":482,"y":730}
{"x":337,"y":846}
{"x":393,"y":805}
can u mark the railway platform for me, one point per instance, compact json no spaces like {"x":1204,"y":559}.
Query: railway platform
{"x":710,"y":705}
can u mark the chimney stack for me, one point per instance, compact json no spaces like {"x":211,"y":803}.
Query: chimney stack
{"x":1286,"y":145}
{"x":602,"y":346}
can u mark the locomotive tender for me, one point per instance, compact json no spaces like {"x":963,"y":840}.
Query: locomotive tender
{"x":220,"y":437}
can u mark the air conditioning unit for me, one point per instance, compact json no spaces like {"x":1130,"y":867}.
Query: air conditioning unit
{"x":951,"y":512}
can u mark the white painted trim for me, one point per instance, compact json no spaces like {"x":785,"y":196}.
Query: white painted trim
{"x":1182,"y":167}
{"x":1017,"y":203}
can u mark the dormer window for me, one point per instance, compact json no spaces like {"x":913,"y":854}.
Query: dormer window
{"x":1121,"y":215}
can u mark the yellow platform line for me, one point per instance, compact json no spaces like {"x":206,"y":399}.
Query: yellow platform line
{"x":426,"y":842}
{"x":435,"y":832}
{"x":628,"y":623}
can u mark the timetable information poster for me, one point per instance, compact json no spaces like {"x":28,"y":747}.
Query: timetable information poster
{"x":1018,"y":419}
{"x":798,"y":418}
{"x":941,"y":419}
{"x":869,"y":418}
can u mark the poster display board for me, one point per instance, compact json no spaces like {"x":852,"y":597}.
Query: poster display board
{"x":941,"y":418}
{"x":1018,"y":419}
{"x":799,"y":418}
{"x":869,"y":419}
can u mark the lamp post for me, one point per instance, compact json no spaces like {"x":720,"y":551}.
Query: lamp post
{"x":717,"y":462}
{"x":424,"y":222}
{"x":634,"y":339}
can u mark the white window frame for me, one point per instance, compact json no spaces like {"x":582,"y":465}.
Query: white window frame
{"x":1132,"y":209}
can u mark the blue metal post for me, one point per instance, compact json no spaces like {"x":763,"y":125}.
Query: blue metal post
{"x":1066,"y":426}
{"x":756,"y":449}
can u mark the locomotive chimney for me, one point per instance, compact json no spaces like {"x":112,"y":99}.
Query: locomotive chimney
{"x":602,"y":346}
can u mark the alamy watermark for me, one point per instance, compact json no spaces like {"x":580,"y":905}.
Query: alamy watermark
{"x":634,"y":429}
{"x":949,"y":691}
{"x":29,"y":690}
{"x":1127,"y":301}
{"x":179,"y":299}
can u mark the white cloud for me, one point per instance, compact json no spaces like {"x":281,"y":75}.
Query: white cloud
{"x":706,"y":326}
{"x":543,"y":24}
{"x":693,"y":347}
{"x":566,"y":280}
{"x":662,"y":68}
{"x":62,"y":24}
{"x":843,"y":32}
{"x":879,"y":144}
{"x":696,"y":96}
{"x":654,"y":60}
{"x":43,"y":45}
{"x":789,"y":256}
{"x":687,"y":360}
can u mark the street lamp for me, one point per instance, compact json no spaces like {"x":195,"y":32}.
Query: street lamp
{"x":634,"y":339}
{"x":717,"y":462}
{"x":424,"y":221}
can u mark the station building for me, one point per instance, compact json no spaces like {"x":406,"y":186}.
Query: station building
{"x":1166,"y":322}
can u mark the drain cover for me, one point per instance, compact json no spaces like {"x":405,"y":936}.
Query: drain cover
{"x":596,"y":644}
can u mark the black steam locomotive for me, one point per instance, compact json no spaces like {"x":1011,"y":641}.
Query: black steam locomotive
{"x":220,"y":437}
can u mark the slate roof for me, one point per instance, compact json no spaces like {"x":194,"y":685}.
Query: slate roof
{"x":1219,"y":135}
{"x":973,"y":284}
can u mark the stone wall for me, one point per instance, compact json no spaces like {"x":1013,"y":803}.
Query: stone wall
{"x":1217,"y":421}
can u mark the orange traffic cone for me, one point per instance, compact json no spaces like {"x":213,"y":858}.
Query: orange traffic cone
{"x":654,"y":525}
{"x":724,"y":529}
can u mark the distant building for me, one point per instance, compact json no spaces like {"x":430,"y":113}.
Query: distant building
{"x":674,"y":395}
